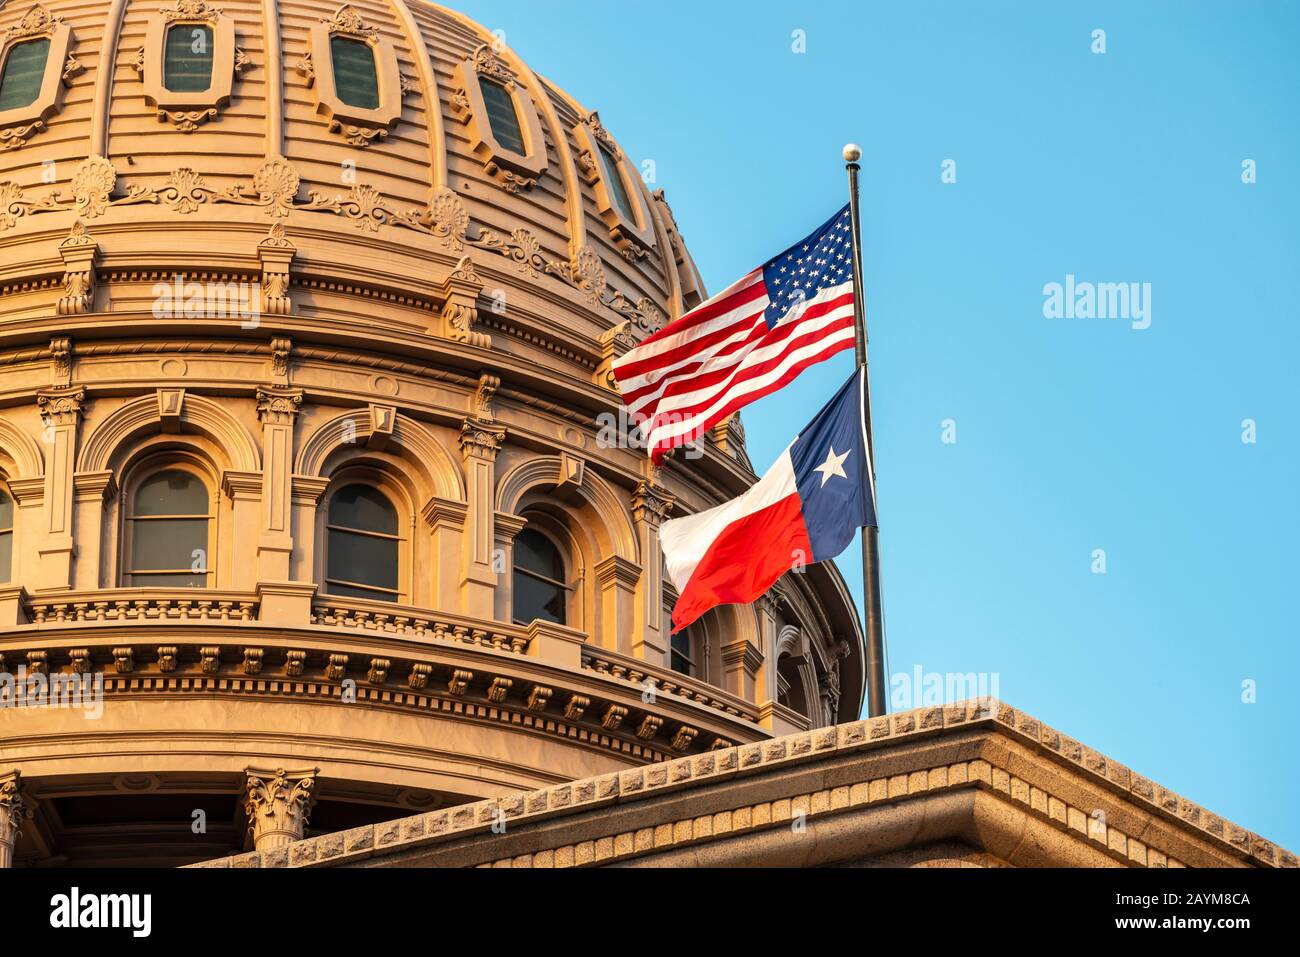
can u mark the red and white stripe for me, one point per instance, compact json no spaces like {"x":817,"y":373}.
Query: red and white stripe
{"x":721,"y":356}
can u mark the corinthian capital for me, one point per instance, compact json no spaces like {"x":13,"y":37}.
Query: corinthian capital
{"x":278,"y":406}
{"x":62,"y":406}
{"x":479,"y":439}
{"x":651,"y":504}
{"x":278,"y":803}
{"x":13,"y":811}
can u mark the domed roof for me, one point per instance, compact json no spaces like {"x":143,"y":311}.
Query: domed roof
{"x":377,"y":137}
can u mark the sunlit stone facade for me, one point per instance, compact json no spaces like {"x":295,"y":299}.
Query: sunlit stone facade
{"x":306,"y":317}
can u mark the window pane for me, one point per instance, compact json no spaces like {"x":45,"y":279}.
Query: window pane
{"x":192,"y":580}
{"x":355,"y":80}
{"x":6,"y":512}
{"x":502,"y":116}
{"x":361,"y":559}
{"x":169,"y":544}
{"x":537,"y":599}
{"x":6,"y":555}
{"x":681,"y":652}
{"x":364,"y":508}
{"x":538,"y":554}
{"x":614,"y":183}
{"x":172,"y":492}
{"x":187,"y":59}
{"x":348,"y":591}
{"x":24,"y":69}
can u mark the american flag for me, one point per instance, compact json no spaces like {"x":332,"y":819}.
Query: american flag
{"x":744,"y":343}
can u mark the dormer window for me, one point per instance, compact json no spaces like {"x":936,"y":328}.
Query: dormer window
{"x":188,"y":63}
{"x":187,"y":60}
{"x":503,"y":117}
{"x":355,"y":80}
{"x":23,"y":73}
{"x":619,"y":197}
{"x":36,"y":63}
{"x":501,"y":120}
{"x":614,"y":177}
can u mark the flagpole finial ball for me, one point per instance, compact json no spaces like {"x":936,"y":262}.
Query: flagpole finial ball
{"x":852,"y":153}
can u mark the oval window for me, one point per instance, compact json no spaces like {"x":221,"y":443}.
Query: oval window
{"x":187,"y":58}
{"x":502,"y":116}
{"x":355,"y":81}
{"x":23,"y":73}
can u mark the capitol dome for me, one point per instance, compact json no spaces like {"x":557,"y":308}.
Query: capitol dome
{"x":309,"y":507}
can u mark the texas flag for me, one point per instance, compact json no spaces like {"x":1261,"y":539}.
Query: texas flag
{"x":805,"y":509}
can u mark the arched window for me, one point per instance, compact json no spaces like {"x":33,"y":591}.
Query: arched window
{"x":6,"y":536}
{"x":682,"y":655}
{"x":187,"y":58}
{"x":538,"y":589}
{"x":355,"y":81}
{"x":502,"y":116}
{"x":168,"y":531}
{"x":361,"y":554}
{"x":23,"y":72}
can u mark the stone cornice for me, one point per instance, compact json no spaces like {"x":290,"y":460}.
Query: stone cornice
{"x":979,"y":772}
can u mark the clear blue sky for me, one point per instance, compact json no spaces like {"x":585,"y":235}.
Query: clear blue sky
{"x":1072,"y":434}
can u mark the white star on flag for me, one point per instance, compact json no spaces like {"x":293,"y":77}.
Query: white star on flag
{"x":834,"y":465}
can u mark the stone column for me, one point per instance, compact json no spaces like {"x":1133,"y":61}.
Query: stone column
{"x":61,"y":411}
{"x":650,"y":506}
{"x":92,"y":492}
{"x":278,"y":803}
{"x":277,"y":408}
{"x":13,"y":811}
{"x":480,"y":440}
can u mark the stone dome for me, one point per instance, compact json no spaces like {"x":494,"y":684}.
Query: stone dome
{"x":310,"y":460}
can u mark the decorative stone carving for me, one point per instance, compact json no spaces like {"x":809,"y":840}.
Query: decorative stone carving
{"x":498,"y":689}
{"x":378,"y":672}
{"x":124,"y":660}
{"x":649,"y":727}
{"x":459,"y":681}
{"x":80,"y":661}
{"x":276,"y":253}
{"x":419,"y":677}
{"x":459,"y":294}
{"x":278,"y":804}
{"x":277,"y":405}
{"x":538,"y":697}
{"x":480,"y":439}
{"x":63,"y":406}
{"x":38,"y":662}
{"x":281,"y":348}
{"x":294,"y":663}
{"x":614,"y":344}
{"x":336,"y":667}
{"x":651,"y":503}
{"x":683,"y":737}
{"x":167,"y":659}
{"x":487,"y":388}
{"x":13,"y":811}
{"x":576,"y":706}
{"x":613,"y":717}
{"x":78,"y":252}
{"x":253,"y":661}
{"x":210,"y":659}
{"x":60,"y":362}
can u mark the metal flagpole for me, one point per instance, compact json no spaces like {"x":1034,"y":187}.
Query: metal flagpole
{"x":875,"y":624}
